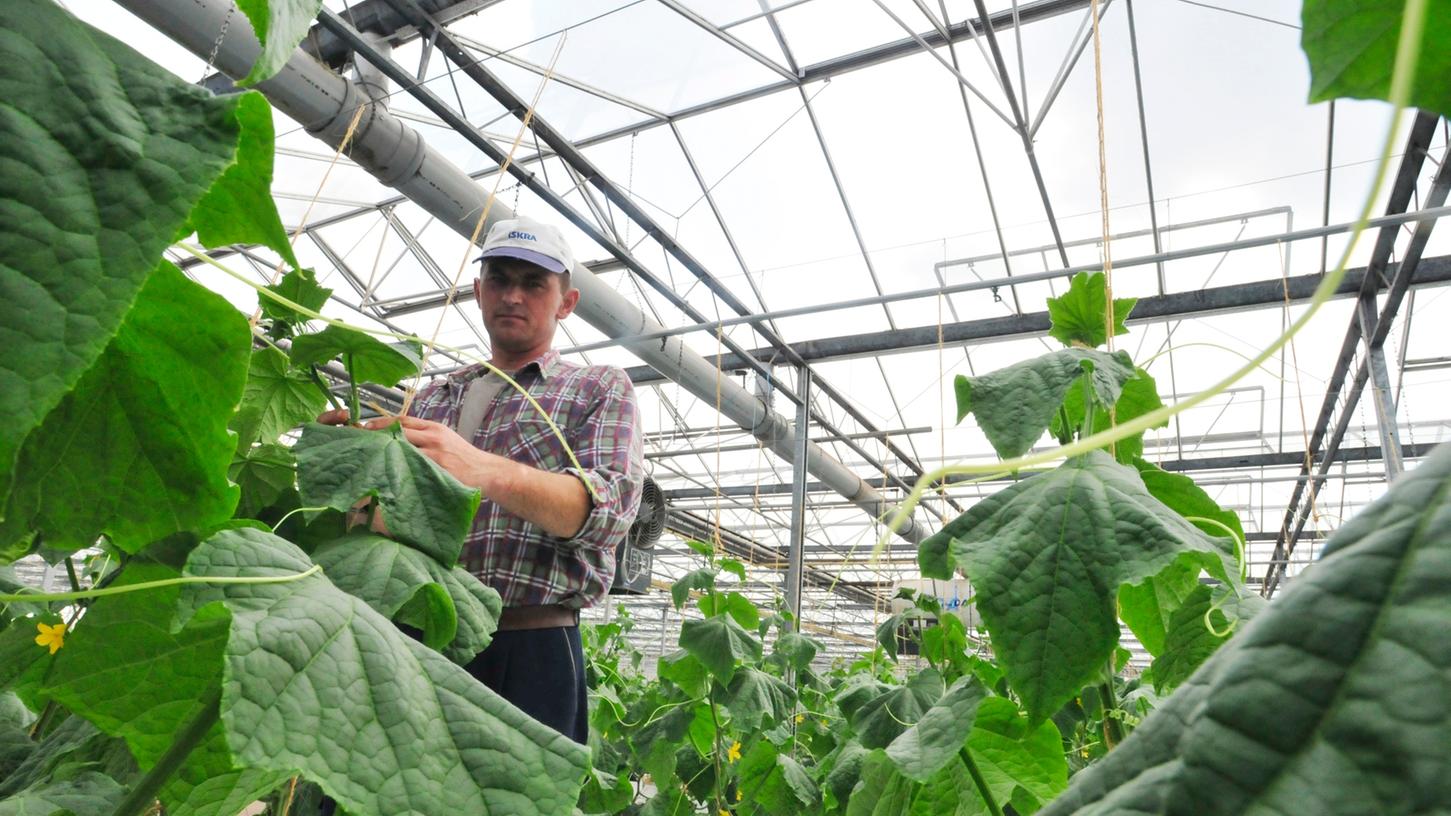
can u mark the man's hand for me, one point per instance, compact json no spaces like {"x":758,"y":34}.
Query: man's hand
{"x":445,"y":447}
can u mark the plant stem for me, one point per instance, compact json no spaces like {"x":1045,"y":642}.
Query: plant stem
{"x":327,"y":392}
{"x":1113,"y":732}
{"x":715,"y":721}
{"x":70,"y":573}
{"x":982,"y":788}
{"x":188,"y":738}
{"x":1087,"y":429}
{"x":355,"y":412}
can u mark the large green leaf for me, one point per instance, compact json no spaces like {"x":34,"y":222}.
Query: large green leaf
{"x":1047,"y":557}
{"x":719,"y":643}
{"x":299,"y":286}
{"x":884,"y":718}
{"x":279,"y":25}
{"x":934,"y":740}
{"x":684,"y":670}
{"x":1190,"y":640}
{"x":1018,"y":760}
{"x":702,"y":579}
{"x":857,"y":691}
{"x":239,"y":207}
{"x":424,"y":506}
{"x":128,"y":673}
{"x":1080,"y":315}
{"x":388,"y":576}
{"x":950,"y":792}
{"x":1183,"y":496}
{"x":368,"y":358}
{"x":318,"y":683}
{"x":776,"y":781}
{"x":1352,"y":51}
{"x":1331,"y":701}
{"x":1014,"y":405}
{"x":75,"y":743}
{"x":102,"y":155}
{"x":797,"y":649}
{"x":263,"y":473}
{"x":1140,"y":396}
{"x":140,"y":448}
{"x":882,"y":790}
{"x":88,"y":794}
{"x":1148,"y":606}
{"x":275,"y":400}
{"x":846,"y":770}
{"x":757,"y":699}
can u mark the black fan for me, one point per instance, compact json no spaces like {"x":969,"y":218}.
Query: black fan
{"x":650,"y":523}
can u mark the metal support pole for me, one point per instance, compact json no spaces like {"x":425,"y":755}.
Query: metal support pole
{"x":798,"y":495}
{"x":1380,"y":389}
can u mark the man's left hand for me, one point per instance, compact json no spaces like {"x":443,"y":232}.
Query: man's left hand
{"x":444,"y":446}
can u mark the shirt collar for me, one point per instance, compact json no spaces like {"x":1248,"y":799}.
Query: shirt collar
{"x":546,"y":365}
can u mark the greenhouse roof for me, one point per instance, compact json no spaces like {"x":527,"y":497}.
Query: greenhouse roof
{"x":898,"y":188}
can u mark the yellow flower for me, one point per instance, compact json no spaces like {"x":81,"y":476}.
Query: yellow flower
{"x":734,"y":753}
{"x":739,"y":795}
{"x":52,"y":636}
{"x":725,"y":813}
{"x":800,"y":718}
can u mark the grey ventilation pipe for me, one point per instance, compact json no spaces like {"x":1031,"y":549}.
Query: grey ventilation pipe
{"x":397,"y":155}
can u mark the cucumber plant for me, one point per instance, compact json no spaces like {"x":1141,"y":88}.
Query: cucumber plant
{"x":236,"y":645}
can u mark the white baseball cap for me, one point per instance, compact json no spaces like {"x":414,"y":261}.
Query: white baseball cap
{"x":528,"y":240}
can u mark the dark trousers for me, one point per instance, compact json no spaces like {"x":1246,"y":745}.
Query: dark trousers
{"x":542,"y":672}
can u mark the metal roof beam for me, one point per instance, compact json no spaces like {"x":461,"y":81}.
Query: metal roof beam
{"x":1238,"y":297}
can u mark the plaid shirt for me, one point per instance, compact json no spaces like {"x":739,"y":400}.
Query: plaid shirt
{"x":595,"y":409}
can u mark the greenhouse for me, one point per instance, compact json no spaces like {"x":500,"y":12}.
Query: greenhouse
{"x":776,"y":407}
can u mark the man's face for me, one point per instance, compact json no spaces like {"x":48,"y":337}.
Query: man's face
{"x":522,"y":303}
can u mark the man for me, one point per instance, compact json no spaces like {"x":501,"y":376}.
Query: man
{"x":540,"y":538}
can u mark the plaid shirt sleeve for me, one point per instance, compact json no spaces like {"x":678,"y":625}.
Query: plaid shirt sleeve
{"x":610,"y":451}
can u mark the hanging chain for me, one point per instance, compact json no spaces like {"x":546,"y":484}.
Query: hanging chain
{"x":630,"y":184}
{"x":217,"y":44}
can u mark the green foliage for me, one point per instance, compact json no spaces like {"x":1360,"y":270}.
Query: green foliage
{"x":776,"y":781}
{"x":702,"y":579}
{"x":87,"y":794}
{"x":423,"y":505}
{"x":1352,"y":49}
{"x":104,"y":156}
{"x":1047,"y":556}
{"x":1016,"y":404}
{"x":1140,"y":396}
{"x":153,"y":416}
{"x":758,"y":700}
{"x":280,"y":25}
{"x":1196,"y":630}
{"x":719,"y":643}
{"x":367,"y":358}
{"x":239,"y":209}
{"x":1337,"y":691}
{"x":128,"y":643}
{"x":299,"y":286}
{"x":263,"y":474}
{"x":388,"y":576}
{"x":934,"y":740}
{"x":879,"y":721}
{"x":275,"y":400}
{"x":1080,"y":315}
{"x":1020,"y":762}
{"x":343,"y":697}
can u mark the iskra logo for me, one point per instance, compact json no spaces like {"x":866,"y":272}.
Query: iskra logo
{"x":522,"y":236}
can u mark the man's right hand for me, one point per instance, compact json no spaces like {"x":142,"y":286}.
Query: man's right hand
{"x":337,"y":417}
